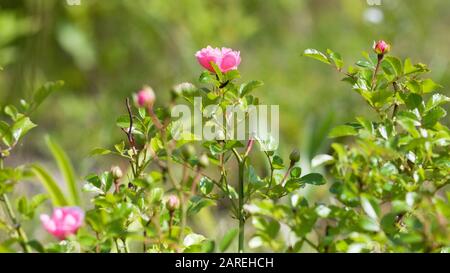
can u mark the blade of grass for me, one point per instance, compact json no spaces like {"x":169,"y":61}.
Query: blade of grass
{"x":66,"y":168}
{"x":56,"y":195}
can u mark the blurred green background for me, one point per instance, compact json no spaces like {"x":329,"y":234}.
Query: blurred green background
{"x":106,"y":50}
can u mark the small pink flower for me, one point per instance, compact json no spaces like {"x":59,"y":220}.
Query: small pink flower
{"x":64,"y":221}
{"x":173,"y":203}
{"x":226,"y":59}
{"x":146,"y":97}
{"x":381,"y":47}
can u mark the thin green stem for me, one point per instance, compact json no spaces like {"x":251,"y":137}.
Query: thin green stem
{"x":238,"y":157}
{"x":241,"y":206}
{"x":271,"y":173}
{"x":117,"y":245}
{"x":20,"y":232}
{"x":316,"y":248}
{"x":177,"y":186}
{"x":377,"y":67}
{"x":10,"y":212}
{"x":183,"y":205}
{"x":283,"y":181}
{"x":228,"y":193}
{"x":183,"y":214}
{"x":396,"y":90}
{"x":125,"y":246}
{"x":223,"y":178}
{"x":241,"y":199}
{"x":170,"y":223}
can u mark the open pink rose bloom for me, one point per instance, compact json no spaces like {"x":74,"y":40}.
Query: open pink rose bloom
{"x":64,"y":221}
{"x":226,"y":58}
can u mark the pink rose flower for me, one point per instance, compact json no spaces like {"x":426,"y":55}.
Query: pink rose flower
{"x":146,"y":97}
{"x":381,"y":47}
{"x":64,"y":221}
{"x":226,"y":58}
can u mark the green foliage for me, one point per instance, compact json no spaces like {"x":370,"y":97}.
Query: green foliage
{"x":386,"y":174}
{"x":10,"y":134}
{"x":143,"y":195}
{"x":228,"y":239}
{"x":27,"y":208}
{"x":42,"y":93}
{"x":394,"y":169}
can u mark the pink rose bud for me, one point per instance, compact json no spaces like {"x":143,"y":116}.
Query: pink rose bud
{"x":64,"y":221}
{"x":381,"y":47}
{"x":226,"y":59}
{"x":146,"y":97}
{"x":249,"y":146}
{"x":173,"y":203}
